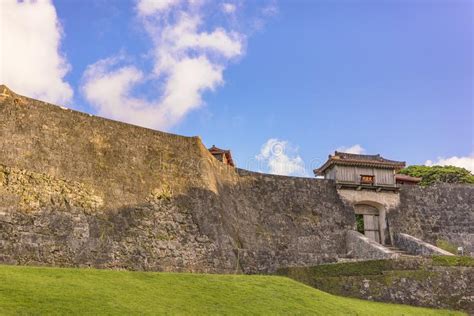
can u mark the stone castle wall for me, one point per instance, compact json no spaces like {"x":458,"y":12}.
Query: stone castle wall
{"x":441,"y":212}
{"x":415,"y":281}
{"x":282,"y":221}
{"x":122,"y":162}
{"x":257,"y":225}
{"x":79,"y":190}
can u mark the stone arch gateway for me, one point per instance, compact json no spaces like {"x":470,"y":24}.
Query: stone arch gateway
{"x":374,"y":207}
{"x":367,"y":183}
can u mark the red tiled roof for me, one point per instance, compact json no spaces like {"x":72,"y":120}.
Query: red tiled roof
{"x":216,"y":151}
{"x":404,"y":177}
{"x":347,"y":159}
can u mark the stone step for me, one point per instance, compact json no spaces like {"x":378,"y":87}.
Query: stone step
{"x":397,"y":250}
{"x":408,"y":255}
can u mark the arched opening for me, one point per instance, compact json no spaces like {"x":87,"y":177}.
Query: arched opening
{"x":368,"y":221}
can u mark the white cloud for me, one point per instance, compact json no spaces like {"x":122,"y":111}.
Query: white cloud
{"x":187,"y":61}
{"x":184,"y":36}
{"x":355,"y":149}
{"x":30,"y":58}
{"x":281,"y":158}
{"x":109,"y":88}
{"x":228,"y":7}
{"x":463,"y":162}
{"x":149,"y":7}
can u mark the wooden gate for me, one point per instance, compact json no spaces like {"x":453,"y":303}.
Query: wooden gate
{"x":372,"y":227}
{"x":371,"y":221}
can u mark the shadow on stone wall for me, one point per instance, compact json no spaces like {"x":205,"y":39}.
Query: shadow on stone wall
{"x":255,"y":226}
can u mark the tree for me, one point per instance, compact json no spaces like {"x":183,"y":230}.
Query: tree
{"x":434,"y":174}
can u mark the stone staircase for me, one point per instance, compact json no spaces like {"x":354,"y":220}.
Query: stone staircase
{"x":360,"y":247}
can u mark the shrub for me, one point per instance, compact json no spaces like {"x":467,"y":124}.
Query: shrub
{"x":434,"y":174}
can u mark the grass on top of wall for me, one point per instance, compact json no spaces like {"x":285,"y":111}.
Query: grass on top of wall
{"x":372,"y":267}
{"x":446,"y":245}
{"x":33,"y":290}
{"x":453,"y":261}
{"x":360,"y":268}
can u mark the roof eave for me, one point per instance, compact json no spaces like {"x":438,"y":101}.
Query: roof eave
{"x":375,"y":164}
{"x":320,"y":171}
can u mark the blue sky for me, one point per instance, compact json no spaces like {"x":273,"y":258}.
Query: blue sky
{"x":394,"y":77}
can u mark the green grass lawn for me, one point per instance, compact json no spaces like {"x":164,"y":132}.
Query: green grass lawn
{"x":32,"y":290}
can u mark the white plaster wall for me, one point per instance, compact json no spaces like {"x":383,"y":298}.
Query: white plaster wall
{"x":387,"y":200}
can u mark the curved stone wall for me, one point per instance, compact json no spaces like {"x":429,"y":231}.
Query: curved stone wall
{"x":78,"y":190}
{"x":156,"y":201}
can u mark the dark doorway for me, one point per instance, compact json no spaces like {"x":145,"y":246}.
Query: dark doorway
{"x":360,"y":223}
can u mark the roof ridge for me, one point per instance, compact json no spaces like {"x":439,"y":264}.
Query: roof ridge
{"x":359,"y":159}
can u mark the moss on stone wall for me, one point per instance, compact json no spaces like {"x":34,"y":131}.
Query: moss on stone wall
{"x":358,"y":268}
{"x":446,"y":245}
{"x":35,"y":190}
{"x":372,"y":267}
{"x":453,"y":261}
{"x":442,"y":281}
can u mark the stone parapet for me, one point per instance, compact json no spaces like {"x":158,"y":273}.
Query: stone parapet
{"x":361,"y":247}
{"x":416,"y":246}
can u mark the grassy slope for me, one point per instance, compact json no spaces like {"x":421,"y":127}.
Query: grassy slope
{"x":78,"y":291}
